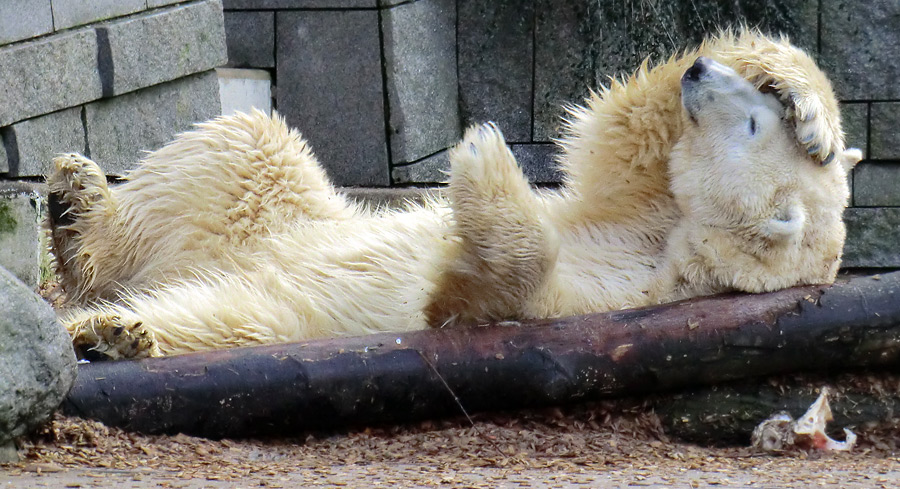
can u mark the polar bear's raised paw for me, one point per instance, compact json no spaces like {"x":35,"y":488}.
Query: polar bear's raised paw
{"x":112,"y":336}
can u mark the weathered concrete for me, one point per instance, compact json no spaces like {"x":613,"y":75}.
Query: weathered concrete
{"x":288,"y":4}
{"x":335,"y":96}
{"x":37,"y":362}
{"x":872,"y":237}
{"x":885,"y":136}
{"x":429,"y":170}
{"x":877,"y":184}
{"x":243,"y":90}
{"x":121,"y":128}
{"x":420,"y":66}
{"x":21,"y":237}
{"x":855,"y":121}
{"x":496,"y":56}
{"x":860,"y":48}
{"x":250,"y":37}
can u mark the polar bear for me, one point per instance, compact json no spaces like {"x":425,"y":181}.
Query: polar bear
{"x":232,"y":235}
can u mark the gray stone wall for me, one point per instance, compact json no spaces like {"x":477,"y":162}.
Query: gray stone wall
{"x":105,"y":78}
{"x":382,"y":88}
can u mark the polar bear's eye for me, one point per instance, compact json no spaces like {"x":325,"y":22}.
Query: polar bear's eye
{"x":752,"y":126}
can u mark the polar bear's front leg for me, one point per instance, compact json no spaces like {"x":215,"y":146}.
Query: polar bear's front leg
{"x":506,"y":249}
{"x":81,"y":213}
{"x":800,"y":84}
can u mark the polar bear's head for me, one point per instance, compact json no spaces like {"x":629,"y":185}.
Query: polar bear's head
{"x":745,"y":184}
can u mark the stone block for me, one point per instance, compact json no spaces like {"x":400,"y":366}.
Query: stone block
{"x":872,"y":237}
{"x":21,"y":236}
{"x":250,"y":37}
{"x":37,"y":362}
{"x":876,"y":184}
{"x":37,"y":141}
{"x":496,"y":61}
{"x":420,"y":64}
{"x":885,"y":136}
{"x":294,"y":4}
{"x":430,"y":170}
{"x":161,"y":3}
{"x":563,"y":61}
{"x":860,"y":48}
{"x":329,"y":87}
{"x":244,"y":90}
{"x":537,"y":161}
{"x":121,"y":128}
{"x":24,"y":19}
{"x":49,"y":74}
{"x":71,"y":13}
{"x":855,"y":121}
{"x":149,"y":49}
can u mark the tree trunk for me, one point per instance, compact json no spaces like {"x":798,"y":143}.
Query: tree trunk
{"x":389,"y":377}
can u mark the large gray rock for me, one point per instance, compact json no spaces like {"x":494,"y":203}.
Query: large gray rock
{"x":329,"y":87}
{"x":496,"y":58}
{"x":37,"y":363}
{"x":420,"y":68}
{"x":120,"y":129}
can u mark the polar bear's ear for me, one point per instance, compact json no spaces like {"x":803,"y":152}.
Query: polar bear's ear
{"x":787,"y":222}
{"x":850,"y":157}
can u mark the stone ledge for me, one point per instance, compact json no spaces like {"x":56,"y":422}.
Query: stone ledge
{"x":72,"y":13}
{"x":24,"y":19}
{"x":38,"y":140}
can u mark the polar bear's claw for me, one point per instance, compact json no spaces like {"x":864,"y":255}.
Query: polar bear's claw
{"x":113,"y":336}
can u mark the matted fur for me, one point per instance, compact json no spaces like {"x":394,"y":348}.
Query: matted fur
{"x":231,"y":235}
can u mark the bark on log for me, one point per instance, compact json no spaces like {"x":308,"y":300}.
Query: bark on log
{"x":284,"y":389}
{"x":726,"y":414}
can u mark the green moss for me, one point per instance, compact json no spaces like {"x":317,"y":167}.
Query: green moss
{"x":7,"y":220}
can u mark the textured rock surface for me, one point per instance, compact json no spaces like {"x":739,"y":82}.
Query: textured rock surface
{"x":71,"y":13}
{"x":48,"y":74}
{"x":860,"y":48}
{"x":21,"y":237}
{"x":23,"y":19}
{"x":873,"y":237}
{"x":289,"y":4}
{"x":37,"y":364}
{"x":335,"y":95}
{"x":169,"y":44}
{"x":855,"y":122}
{"x":885,"y":127}
{"x":250,"y":37}
{"x":496,"y":59}
{"x":40,"y":139}
{"x":877,"y":184}
{"x":432,"y":169}
{"x":420,"y":67}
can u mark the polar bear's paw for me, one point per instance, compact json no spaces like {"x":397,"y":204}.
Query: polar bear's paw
{"x":112,"y":336}
{"x":76,"y":184}
{"x":482,"y":159}
{"x":818,"y":128}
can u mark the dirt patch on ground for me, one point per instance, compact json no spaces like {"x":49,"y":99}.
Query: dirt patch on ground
{"x":576,"y":446}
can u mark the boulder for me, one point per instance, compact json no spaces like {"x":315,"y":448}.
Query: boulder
{"x":37,"y":363}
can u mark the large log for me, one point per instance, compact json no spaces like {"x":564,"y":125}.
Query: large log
{"x":288,"y":388}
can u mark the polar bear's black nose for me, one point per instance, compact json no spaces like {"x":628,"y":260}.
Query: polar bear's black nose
{"x":697,"y":69}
